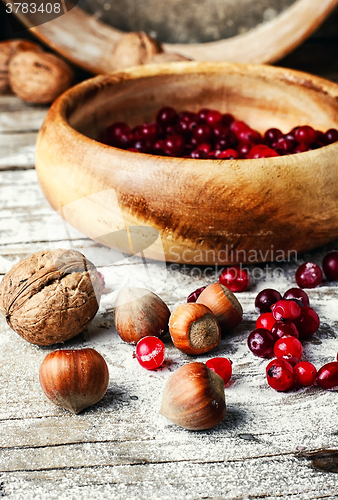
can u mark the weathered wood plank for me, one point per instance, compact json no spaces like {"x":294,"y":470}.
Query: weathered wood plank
{"x":18,"y":151}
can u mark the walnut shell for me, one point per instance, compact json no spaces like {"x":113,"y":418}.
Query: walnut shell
{"x":7,"y":50}
{"x":38,"y":77}
{"x":50,"y":296}
{"x":134,"y":49}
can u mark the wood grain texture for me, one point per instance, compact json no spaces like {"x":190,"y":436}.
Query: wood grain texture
{"x":202,"y":210}
{"x":90,"y":43}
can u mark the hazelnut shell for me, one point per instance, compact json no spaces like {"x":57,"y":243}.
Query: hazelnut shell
{"x":223,"y":303}
{"x":140,"y":313}
{"x":50,"y":296}
{"x":194,"y":398}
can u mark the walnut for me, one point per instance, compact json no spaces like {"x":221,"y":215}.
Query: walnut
{"x":7,"y":50}
{"x":134,"y":49}
{"x":50,"y":296}
{"x":38,"y":77}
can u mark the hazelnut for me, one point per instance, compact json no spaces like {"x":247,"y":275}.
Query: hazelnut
{"x":140,"y":313}
{"x":134,"y":49}
{"x":223,"y":303}
{"x":194,"y":329}
{"x":50,"y":296}
{"x":194,"y":397}
{"x":7,"y":50}
{"x":74,"y":378}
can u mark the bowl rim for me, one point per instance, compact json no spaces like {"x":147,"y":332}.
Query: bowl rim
{"x":60,"y":107}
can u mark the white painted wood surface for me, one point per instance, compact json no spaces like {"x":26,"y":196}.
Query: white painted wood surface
{"x":270,"y":445}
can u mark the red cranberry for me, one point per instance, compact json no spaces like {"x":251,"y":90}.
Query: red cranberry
{"x":174,"y":145}
{"x":327,"y":376}
{"x":285,"y":309}
{"x":166,"y":116}
{"x":146,"y":131}
{"x":307,"y":323}
{"x":220,"y":131}
{"x":229,"y":141}
{"x":119,"y":135}
{"x":330,"y":265}
{"x":195,"y":294}
{"x":301,"y":148}
{"x":266,"y":298}
{"x":227,"y":119}
{"x":286,"y":327}
{"x":143,"y":145}
{"x":309,"y":275}
{"x":290,"y":359}
{"x":202,"y":133}
{"x":288,"y":345}
{"x":298,"y":294}
{"x":261,"y":342}
{"x":159,"y":147}
{"x":206,"y":147}
{"x":244,"y":148}
{"x":305,"y":135}
{"x":279,"y":374}
{"x":331,"y":136}
{"x":238,"y":126}
{"x":305,"y":373}
{"x":236,"y":278}
{"x":284,"y":146}
{"x":150,"y":352}
{"x":262,"y":151}
{"x":265,"y":320}
{"x":213,"y":117}
{"x":221,"y":366}
{"x":202,"y":114}
{"x":228,"y":154}
{"x":199,"y":154}
{"x":250,"y":135}
{"x":272,"y":135}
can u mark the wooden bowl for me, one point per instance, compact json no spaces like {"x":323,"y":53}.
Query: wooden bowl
{"x":206,"y":211}
{"x":86,"y":41}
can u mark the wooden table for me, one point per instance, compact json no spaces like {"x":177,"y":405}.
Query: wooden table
{"x":270,"y":444}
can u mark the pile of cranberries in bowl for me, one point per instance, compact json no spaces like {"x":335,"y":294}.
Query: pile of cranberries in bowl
{"x":209,"y":134}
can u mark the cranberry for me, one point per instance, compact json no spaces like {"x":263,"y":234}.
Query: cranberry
{"x":261,"y":342}
{"x":279,"y":374}
{"x":290,"y":359}
{"x":228,"y":154}
{"x":285,"y":309}
{"x":143,"y":145}
{"x":305,"y":135}
{"x":284,"y":146}
{"x":238,"y":126}
{"x":244,"y":148}
{"x":331,"y":136}
{"x":266,"y":298}
{"x":250,"y":135}
{"x":305,"y":373}
{"x":174,"y":145}
{"x":272,"y":135}
{"x":285,"y":327}
{"x":119,"y":135}
{"x":288,"y":346}
{"x":227,"y":119}
{"x":202,"y":133}
{"x":159,"y":147}
{"x":199,"y":154}
{"x":166,"y":116}
{"x":220,"y":131}
{"x":202,"y":114}
{"x":206,"y":147}
{"x":146,"y":131}
{"x":301,"y":148}
{"x":265,"y":320}
{"x":228,"y":141}
{"x":213,"y":117}
{"x":221,"y":366}
{"x":307,"y":323}
{"x":330,"y":265}
{"x":262,"y":151}
{"x":309,"y":275}
{"x":150,"y":352}
{"x":195,"y":294}
{"x":298,"y":294}
{"x":327,"y":376}
{"x":236,"y":278}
